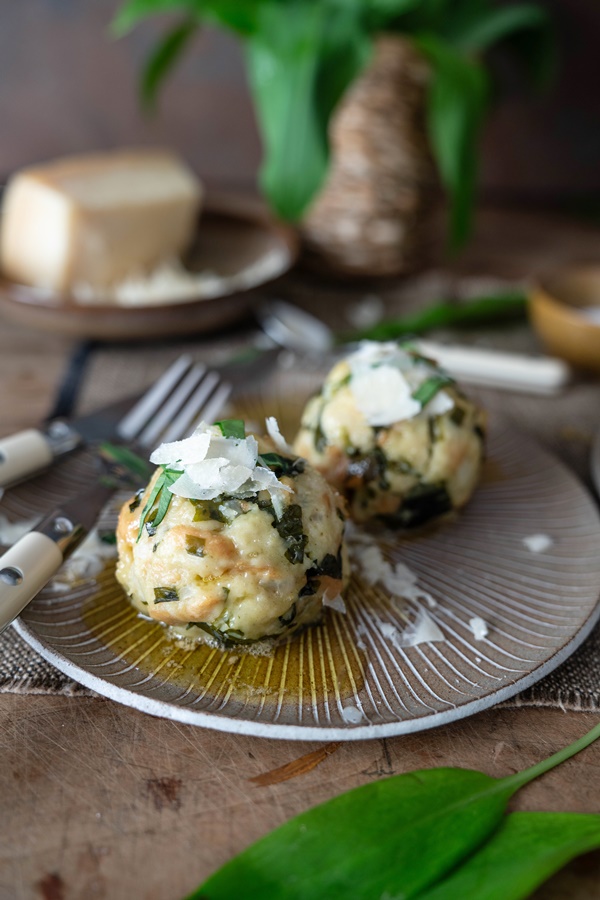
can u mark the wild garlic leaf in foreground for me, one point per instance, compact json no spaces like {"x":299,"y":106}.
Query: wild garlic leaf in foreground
{"x":525,"y":851}
{"x":399,"y":836}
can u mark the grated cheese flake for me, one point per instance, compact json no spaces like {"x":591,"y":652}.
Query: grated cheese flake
{"x":538,"y":543}
{"x":351,"y":715}
{"x":336,"y":602}
{"x":422,"y":631}
{"x":479,"y":627}
{"x":85,"y":564}
{"x":276,"y":436}
{"x":11,"y":532}
{"x":384,"y":378}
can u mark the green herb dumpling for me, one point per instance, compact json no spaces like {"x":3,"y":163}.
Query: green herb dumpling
{"x":234,"y":539}
{"x":393,"y":433}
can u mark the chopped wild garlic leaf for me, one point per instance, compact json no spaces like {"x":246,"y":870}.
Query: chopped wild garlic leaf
{"x":232,"y":428}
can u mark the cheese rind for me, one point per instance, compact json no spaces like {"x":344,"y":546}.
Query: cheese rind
{"x":97,"y":219}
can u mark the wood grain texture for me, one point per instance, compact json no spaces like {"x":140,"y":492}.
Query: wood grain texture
{"x":102,"y":802}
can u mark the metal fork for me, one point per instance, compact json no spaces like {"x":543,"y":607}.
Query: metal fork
{"x":182,"y":396}
{"x":185,"y":390}
{"x":168,"y":410}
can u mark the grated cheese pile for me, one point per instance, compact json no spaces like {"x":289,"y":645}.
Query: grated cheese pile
{"x":384,"y":378}
{"x":171,"y":282}
{"x":399,"y":581}
{"x":212,"y":465}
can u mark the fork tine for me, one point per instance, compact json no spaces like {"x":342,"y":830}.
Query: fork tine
{"x":206,"y":402}
{"x":140,"y":415}
{"x":215,"y":404}
{"x":172,"y":406}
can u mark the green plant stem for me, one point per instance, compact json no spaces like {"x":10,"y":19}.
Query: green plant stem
{"x":473,"y":312}
{"x":522,"y":778}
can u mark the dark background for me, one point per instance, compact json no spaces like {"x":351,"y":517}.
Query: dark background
{"x":66,"y":85}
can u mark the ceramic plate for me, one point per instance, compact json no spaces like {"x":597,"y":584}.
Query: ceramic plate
{"x":236,"y":241}
{"x":344,"y":679}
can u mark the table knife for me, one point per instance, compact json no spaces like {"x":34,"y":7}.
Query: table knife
{"x":28,"y":566}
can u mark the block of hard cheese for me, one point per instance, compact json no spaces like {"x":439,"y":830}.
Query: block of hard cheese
{"x":96,"y":219}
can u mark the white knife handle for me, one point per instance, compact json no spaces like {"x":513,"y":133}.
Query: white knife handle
{"x":23,"y":454}
{"x":24,"y":570}
{"x":495,"y":368}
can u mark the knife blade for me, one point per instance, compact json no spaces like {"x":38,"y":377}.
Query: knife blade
{"x":30,"y":563}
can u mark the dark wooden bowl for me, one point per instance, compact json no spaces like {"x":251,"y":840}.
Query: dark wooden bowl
{"x":234,"y":232}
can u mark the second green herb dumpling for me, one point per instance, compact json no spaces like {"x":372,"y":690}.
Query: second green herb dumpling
{"x":393,"y":433}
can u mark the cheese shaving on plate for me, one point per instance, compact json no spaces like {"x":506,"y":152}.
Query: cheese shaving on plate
{"x":479,"y":627}
{"x":538,"y":543}
{"x":400,"y":581}
{"x":212,"y":465}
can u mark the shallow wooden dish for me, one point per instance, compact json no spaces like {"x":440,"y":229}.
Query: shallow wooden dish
{"x":234,"y":232}
{"x":555,"y":310}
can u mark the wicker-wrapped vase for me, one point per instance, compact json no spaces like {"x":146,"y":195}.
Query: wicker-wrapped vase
{"x":372,"y":218}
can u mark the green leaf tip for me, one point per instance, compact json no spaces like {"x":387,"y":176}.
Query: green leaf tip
{"x":162,"y":60}
{"x":232,"y":428}
{"x":158,"y":502}
{"x":526,"y":850}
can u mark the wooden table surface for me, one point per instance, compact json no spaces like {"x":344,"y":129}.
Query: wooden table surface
{"x":100,"y":801}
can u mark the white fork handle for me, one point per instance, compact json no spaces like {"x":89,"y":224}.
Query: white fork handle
{"x":22,"y":454}
{"x":24,"y":570}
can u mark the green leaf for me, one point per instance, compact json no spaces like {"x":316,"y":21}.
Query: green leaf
{"x":302,"y":57}
{"x":166,"y":594}
{"x":382,"y":13}
{"x":123,"y":462}
{"x":239,"y":16}
{"x":161,"y":495}
{"x":496,"y":24}
{"x":232,"y":428}
{"x":430,"y":387}
{"x":323,"y":853}
{"x":282,"y":465}
{"x":456,"y":103}
{"x":525,"y":851}
{"x":536,"y":52}
{"x":400,"y":836}
{"x":163,"y":59}
{"x":472,"y":312}
{"x":134,"y":11}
